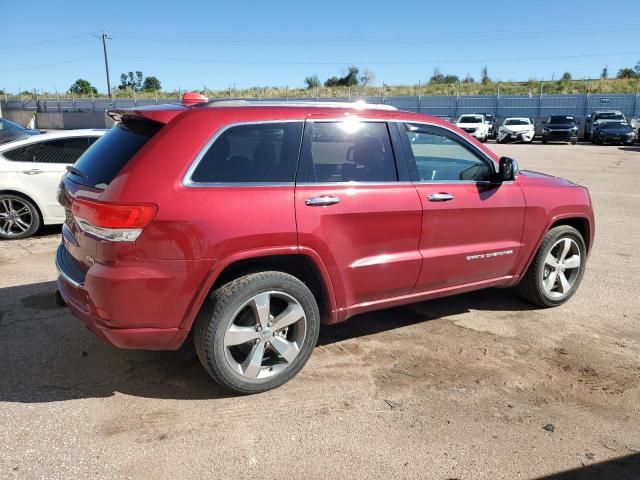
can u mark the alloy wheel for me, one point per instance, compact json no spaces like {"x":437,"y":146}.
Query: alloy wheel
{"x":16,"y":217}
{"x":561,"y":268}
{"x":265,"y":335}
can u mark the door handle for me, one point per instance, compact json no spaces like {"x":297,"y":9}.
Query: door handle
{"x":440,"y":197}
{"x":33,"y":171}
{"x":323,"y":201}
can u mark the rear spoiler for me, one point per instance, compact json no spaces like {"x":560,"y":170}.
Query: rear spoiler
{"x":155,"y":113}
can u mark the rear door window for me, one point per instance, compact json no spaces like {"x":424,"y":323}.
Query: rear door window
{"x":253,"y":153}
{"x":107,"y":156}
{"x":64,"y":150}
{"x":339,"y":152}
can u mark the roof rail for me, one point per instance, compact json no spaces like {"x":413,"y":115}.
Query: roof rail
{"x":360,"y":105}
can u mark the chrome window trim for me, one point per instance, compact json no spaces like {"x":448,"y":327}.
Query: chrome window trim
{"x":188,"y":182}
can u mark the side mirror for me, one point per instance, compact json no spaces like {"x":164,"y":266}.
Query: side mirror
{"x":508,"y":169}
{"x":544,"y":122}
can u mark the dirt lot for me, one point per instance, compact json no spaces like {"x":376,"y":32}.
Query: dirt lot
{"x":458,"y":388}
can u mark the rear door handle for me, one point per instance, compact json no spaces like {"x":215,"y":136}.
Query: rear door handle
{"x":323,"y":201}
{"x":440,"y":197}
{"x":33,"y":171}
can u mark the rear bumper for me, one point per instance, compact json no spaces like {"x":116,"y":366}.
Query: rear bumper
{"x":123,"y":312}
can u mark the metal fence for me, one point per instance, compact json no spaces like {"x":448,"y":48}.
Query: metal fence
{"x":534,"y":106}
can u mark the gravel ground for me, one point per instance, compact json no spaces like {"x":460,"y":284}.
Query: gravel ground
{"x":476,"y":386}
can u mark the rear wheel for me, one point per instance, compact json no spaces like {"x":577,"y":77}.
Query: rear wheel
{"x":557,"y":270}
{"x":256,"y":332}
{"x":19,"y":218}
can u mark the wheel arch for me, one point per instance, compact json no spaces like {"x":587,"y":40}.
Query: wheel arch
{"x":311,"y":271}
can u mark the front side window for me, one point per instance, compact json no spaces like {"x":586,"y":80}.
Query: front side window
{"x":436,"y":155}
{"x":65,"y":150}
{"x":255,"y":153}
{"x":349,"y":151}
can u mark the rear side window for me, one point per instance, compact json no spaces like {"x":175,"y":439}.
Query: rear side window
{"x":255,"y":153}
{"x":20,"y":154}
{"x":106,"y":157}
{"x":65,"y":150}
{"x":350,"y":152}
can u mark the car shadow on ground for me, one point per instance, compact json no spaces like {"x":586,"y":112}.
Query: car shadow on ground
{"x":630,"y":149}
{"x":627,"y":468}
{"x":47,"y":355}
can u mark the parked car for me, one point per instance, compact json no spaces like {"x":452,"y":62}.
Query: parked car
{"x":614,"y":132}
{"x":10,"y":131}
{"x":30,"y":172}
{"x":563,"y":128}
{"x":596,"y":119}
{"x":252,"y":223}
{"x":516,"y":130}
{"x":491,"y":121}
{"x":474,"y":125}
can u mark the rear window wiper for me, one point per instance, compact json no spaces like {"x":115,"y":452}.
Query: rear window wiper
{"x":77,"y":172}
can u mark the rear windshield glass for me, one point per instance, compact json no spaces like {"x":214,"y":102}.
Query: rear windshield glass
{"x":100,"y":164}
{"x":609,"y":116}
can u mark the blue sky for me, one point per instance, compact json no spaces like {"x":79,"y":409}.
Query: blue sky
{"x":48,"y":44}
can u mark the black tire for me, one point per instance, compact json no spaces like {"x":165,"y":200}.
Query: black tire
{"x":218,"y":312}
{"x":544,"y":141}
{"x":531,"y":288}
{"x":32,"y":217}
{"x":574,"y":142}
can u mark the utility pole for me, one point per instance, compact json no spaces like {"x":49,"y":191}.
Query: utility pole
{"x":104,"y":37}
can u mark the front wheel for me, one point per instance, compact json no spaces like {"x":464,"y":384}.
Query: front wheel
{"x":19,"y":218}
{"x":258,"y":331}
{"x":557,"y":269}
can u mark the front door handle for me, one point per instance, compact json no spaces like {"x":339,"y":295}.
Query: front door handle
{"x":323,"y":201}
{"x":33,"y":171}
{"x":440,"y":197}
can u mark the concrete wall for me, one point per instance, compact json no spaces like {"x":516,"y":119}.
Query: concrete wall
{"x":60,"y":120}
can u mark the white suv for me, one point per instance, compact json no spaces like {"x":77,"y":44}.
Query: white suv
{"x":30,"y":172}
{"x":475,"y":125}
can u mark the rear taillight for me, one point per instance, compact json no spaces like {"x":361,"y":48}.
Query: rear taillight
{"x":115,"y":222}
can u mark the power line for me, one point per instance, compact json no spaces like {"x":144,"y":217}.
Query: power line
{"x":361,"y":62}
{"x":45,"y":42}
{"x":40,"y":65}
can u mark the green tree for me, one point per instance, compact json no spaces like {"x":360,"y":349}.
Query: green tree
{"x":437,"y":76}
{"x":566,"y":76}
{"x":637,"y":67}
{"x":349,"y":80}
{"x":626,"y":73}
{"x":484,"y":75}
{"x":151,"y":84}
{"x":82,"y":87}
{"x":468,"y":79}
{"x":132,"y":81}
{"x":605,"y":73}
{"x":312,"y":81}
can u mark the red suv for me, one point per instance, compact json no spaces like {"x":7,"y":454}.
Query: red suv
{"x":253,"y":223}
